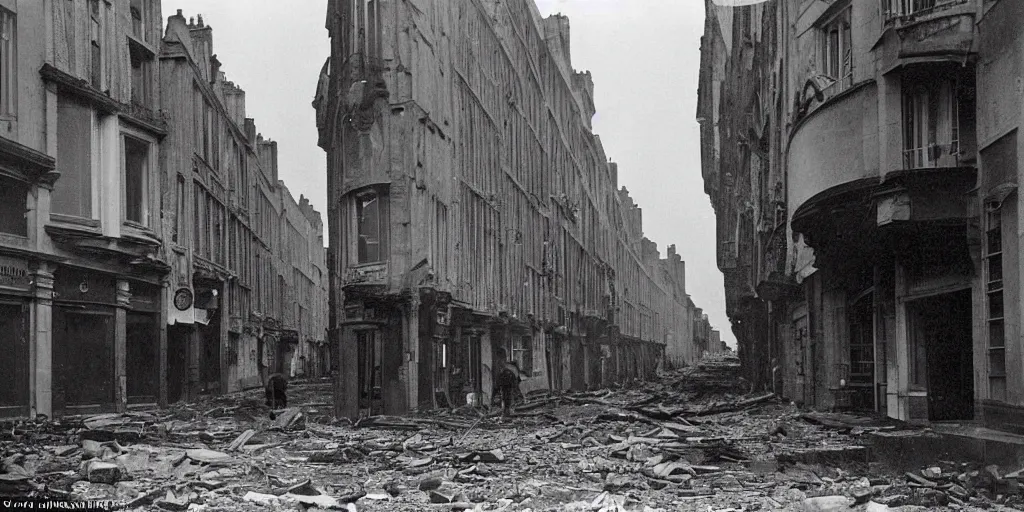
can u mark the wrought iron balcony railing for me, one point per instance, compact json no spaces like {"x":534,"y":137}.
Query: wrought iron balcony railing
{"x":907,"y":10}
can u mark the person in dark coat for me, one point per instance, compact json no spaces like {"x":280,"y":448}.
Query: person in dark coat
{"x":507,"y":383}
{"x":277,"y":391}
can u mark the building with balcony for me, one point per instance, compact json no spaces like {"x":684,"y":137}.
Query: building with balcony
{"x":474,"y":215}
{"x":247,"y":281}
{"x":81,"y":273}
{"x":881,"y":138}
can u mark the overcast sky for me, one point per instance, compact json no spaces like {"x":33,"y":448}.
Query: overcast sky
{"x":644,"y":56}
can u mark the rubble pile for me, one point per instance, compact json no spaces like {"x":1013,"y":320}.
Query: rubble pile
{"x":670,"y":445}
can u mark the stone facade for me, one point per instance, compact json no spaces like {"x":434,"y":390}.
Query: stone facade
{"x":249,"y":254}
{"x":862,"y":161}
{"x":474,"y":213}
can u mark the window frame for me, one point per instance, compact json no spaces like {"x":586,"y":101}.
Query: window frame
{"x":382,"y":196}
{"x":7,"y":184}
{"x":8,"y":64}
{"x":144,"y":84}
{"x":92,"y":158}
{"x":842,"y":22}
{"x":146,"y":179}
{"x":993,"y":254}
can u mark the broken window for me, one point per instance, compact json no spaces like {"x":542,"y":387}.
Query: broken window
{"x":8,"y":64}
{"x":136,"y":174}
{"x":371,"y":226}
{"x":13,"y":197}
{"x":72,"y":194}
{"x":837,"y":51}
{"x":994,"y":294}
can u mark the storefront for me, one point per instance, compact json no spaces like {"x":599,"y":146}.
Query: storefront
{"x":15,"y":287}
{"x":84,"y":322}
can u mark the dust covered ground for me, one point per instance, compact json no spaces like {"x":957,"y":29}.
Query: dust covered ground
{"x":690,"y":441}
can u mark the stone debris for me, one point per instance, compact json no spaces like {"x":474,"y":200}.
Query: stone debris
{"x":694,"y":440}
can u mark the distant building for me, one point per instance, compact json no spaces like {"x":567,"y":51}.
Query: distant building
{"x":473,"y":212}
{"x":250,"y":257}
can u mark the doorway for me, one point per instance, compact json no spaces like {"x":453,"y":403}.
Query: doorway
{"x":178,"y":336}
{"x":15,"y":363}
{"x":862,"y":354}
{"x":209,"y":350}
{"x":941,"y":354}
{"x":371,"y":394}
{"x":143,"y":357}
{"x":83,"y":352}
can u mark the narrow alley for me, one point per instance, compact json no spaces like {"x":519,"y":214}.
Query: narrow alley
{"x":693,"y":440}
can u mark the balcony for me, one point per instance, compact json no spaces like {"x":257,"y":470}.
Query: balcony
{"x":902,"y":12}
{"x":933,"y":156}
{"x":929,"y":28}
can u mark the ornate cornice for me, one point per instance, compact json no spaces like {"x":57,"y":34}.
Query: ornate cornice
{"x":26,"y":164}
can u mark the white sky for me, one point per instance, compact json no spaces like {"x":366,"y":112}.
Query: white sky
{"x":645,"y":59}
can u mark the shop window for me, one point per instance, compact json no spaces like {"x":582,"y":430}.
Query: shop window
{"x":13,"y":197}
{"x":8,"y":63}
{"x":72,"y":194}
{"x":371,"y":213}
{"x":136,"y":176}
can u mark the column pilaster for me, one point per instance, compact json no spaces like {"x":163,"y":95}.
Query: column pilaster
{"x":41,"y":348}
{"x":124,"y":299}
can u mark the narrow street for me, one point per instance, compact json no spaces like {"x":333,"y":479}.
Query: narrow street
{"x":691,"y":441}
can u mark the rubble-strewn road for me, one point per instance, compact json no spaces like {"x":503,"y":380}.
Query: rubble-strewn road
{"x":688,"y":442}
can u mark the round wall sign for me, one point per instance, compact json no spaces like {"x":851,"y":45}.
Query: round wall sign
{"x":183,"y":299}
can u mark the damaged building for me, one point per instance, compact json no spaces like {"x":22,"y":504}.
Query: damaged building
{"x":474,"y":213}
{"x":862,"y":161}
{"x":113,"y":291}
{"x":248,"y":264}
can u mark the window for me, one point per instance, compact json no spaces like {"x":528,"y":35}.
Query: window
{"x":179,"y":210}
{"x":141,"y":14}
{"x":371,"y":226}
{"x":197,"y":118}
{"x":522,"y":353}
{"x":96,"y":64}
{"x":8,"y":64}
{"x":371,"y":29}
{"x":72,"y":194}
{"x":216,"y":230}
{"x":199,"y":230}
{"x":931,"y":131}
{"x":994,"y":294}
{"x":142,"y":75}
{"x":13,"y":197}
{"x":837,"y":52}
{"x":136,"y":176}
